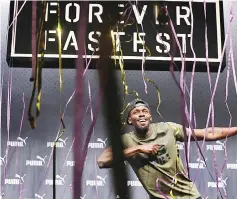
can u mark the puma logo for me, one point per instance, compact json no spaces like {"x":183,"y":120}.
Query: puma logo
{"x":3,"y":159}
{"x":22,"y":178}
{"x":100,"y":178}
{"x":223,"y":181}
{"x":63,"y":141}
{"x":102,"y":141}
{"x":22,"y":140}
{"x":83,"y":197}
{"x":42,"y":159}
{"x":201,"y":161}
{"x":59,"y":177}
{"x":221,"y":143}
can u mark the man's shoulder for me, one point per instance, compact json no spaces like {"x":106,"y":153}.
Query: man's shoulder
{"x":127,"y":138}
{"x":165,"y":124}
{"x":128,"y":135}
{"x":160,"y":125}
{"x":165,"y":127}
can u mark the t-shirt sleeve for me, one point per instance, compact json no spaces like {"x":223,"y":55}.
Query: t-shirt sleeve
{"x":125,"y":141}
{"x":177,"y":130}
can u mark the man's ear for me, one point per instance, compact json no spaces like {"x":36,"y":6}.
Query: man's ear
{"x":129,"y":120}
{"x":151,"y":119}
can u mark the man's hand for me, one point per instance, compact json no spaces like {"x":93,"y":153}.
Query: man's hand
{"x":149,"y":148}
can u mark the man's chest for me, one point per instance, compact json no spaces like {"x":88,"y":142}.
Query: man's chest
{"x":166,"y":149}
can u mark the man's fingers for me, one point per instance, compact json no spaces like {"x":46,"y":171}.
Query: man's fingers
{"x":155,"y":150}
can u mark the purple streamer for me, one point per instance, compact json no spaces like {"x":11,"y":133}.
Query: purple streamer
{"x":23,"y":113}
{"x":158,"y":188}
{"x":16,"y":14}
{"x":9,"y":90}
{"x":233,"y":63}
{"x":19,"y":134}
{"x":215,"y":87}
{"x":209,"y":77}
{"x":181,"y":87}
{"x":183,"y":102}
{"x":69,"y":100}
{"x":78,"y":117}
{"x":192,"y":77}
{"x":1,"y":98}
{"x":91,"y":113}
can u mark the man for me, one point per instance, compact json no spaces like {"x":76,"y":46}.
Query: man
{"x":152,"y":152}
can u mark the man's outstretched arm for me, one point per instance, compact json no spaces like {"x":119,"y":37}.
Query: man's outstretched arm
{"x":105,"y":160}
{"x":219,"y":133}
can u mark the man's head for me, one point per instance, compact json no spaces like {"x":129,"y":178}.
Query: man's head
{"x":139,"y":115}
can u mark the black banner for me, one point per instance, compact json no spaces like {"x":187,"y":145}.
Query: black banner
{"x":141,"y":33}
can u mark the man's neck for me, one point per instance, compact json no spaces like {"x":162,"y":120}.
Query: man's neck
{"x":143,"y":133}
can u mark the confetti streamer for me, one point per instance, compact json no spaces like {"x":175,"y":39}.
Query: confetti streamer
{"x":91,"y":114}
{"x":16,"y":15}
{"x":192,"y":76}
{"x":59,"y":34}
{"x":123,"y":74}
{"x":183,"y":87}
{"x":209,"y":80}
{"x":109,"y":87}
{"x":19,"y":134}
{"x":143,"y":58}
{"x":9,"y":90}
{"x":70,"y":148}
{"x":34,"y":39}
{"x":227,"y":106}
{"x":58,"y":134}
{"x":217,"y":80}
{"x":38,"y":75}
{"x":233,"y":63}
{"x":207,"y":62}
{"x":87,"y":64}
{"x":174,"y":64}
{"x":158,"y":188}
{"x":158,"y":96}
{"x":230,"y":62}
{"x":185,"y":115}
{"x":184,"y":84}
{"x":121,"y":65}
{"x":23,"y":113}
{"x":2,"y":78}
{"x":78,"y":153}
{"x":211,"y":104}
{"x":193,"y":72}
{"x":88,"y":106}
{"x":143,"y":51}
{"x":180,"y":86}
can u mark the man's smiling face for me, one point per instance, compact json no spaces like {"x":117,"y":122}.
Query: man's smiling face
{"x":140,"y":117}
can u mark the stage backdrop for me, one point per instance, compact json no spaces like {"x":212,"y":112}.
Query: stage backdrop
{"x":26,"y":169}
